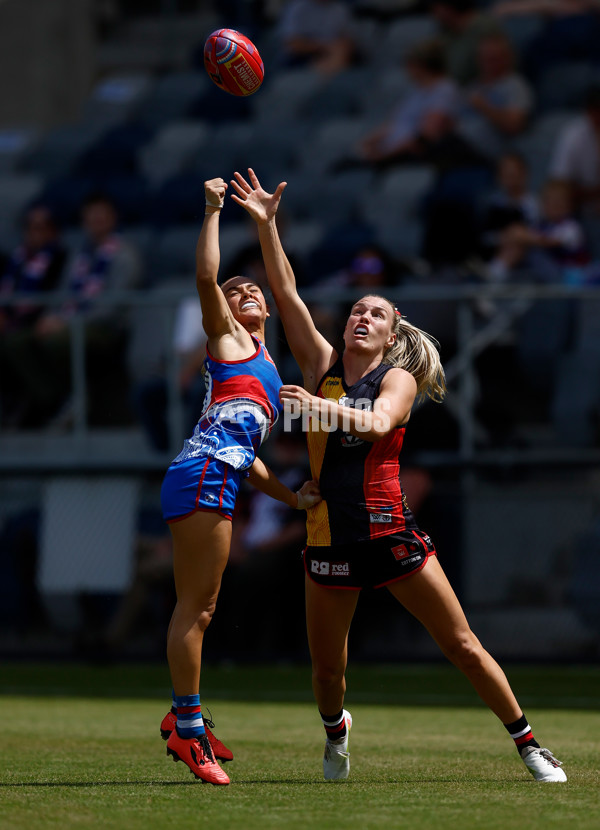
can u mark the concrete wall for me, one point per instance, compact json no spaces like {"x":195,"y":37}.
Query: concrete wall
{"x":47,"y":49}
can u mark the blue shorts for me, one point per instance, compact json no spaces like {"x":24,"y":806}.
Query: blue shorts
{"x":199,"y":484}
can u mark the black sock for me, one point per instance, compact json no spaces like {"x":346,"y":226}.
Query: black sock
{"x":335,"y":725}
{"x":521,"y":733}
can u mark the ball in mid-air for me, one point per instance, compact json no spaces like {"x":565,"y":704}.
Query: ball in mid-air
{"x":233,"y":62}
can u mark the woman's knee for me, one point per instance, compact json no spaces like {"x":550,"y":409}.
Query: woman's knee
{"x":466,"y":652}
{"x":327,"y":675}
{"x":198,"y":615}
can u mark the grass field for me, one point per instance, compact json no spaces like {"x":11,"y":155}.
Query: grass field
{"x":81,"y":749}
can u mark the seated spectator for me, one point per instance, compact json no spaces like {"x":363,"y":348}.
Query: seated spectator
{"x":421,"y":123}
{"x":34,"y":268}
{"x":463,"y":25}
{"x":370,"y":267}
{"x":317,"y":33}
{"x":41,"y":363}
{"x":546,"y":249}
{"x":509,"y":204}
{"x":576,"y":157}
{"x":499,"y":101}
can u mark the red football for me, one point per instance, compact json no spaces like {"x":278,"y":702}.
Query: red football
{"x":233,"y":62}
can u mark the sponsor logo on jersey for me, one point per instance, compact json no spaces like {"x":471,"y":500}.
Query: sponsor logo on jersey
{"x":330,"y":568}
{"x":402,"y":551}
{"x":380,"y":518}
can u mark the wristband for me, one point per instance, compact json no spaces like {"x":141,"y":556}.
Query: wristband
{"x":212,"y":204}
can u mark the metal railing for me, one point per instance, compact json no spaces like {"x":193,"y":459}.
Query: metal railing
{"x":472,"y":337}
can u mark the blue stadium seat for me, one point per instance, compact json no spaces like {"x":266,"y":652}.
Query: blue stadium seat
{"x":61,"y":150}
{"x":564,"y":85}
{"x":172,"y":149}
{"x":66,"y":195}
{"x":339,"y":96}
{"x":130,"y":196}
{"x":117,"y":98}
{"x":173,"y":97}
{"x":16,"y":192}
{"x":179,"y":201}
{"x":117,"y":151}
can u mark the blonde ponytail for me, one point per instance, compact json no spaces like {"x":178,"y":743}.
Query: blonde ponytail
{"x":417,"y":352}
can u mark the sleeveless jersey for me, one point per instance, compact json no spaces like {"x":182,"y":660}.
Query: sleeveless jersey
{"x":240,"y":408}
{"x":359,"y":480}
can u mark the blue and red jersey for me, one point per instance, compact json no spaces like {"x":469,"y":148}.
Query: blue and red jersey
{"x":240,"y":408}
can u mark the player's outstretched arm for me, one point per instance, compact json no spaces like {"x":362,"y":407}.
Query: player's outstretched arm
{"x":217,"y":318}
{"x":265,"y":480}
{"x":311,"y":350}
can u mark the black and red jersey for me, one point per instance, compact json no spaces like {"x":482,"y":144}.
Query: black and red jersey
{"x":359,"y":480}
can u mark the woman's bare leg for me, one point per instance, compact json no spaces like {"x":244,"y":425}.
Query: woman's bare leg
{"x":200,"y":551}
{"x":428,"y":595}
{"x":329,"y":613}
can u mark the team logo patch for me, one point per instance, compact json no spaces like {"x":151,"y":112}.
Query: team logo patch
{"x":402,"y":551}
{"x":380,"y":518}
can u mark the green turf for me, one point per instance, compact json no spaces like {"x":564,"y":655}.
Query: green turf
{"x":81,"y":749}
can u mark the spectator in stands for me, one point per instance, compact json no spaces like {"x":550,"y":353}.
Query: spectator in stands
{"x":370,"y":267}
{"x":547,"y":249}
{"x":576,"y":157}
{"x":423,"y":121}
{"x":34,"y":268}
{"x":105,"y":264}
{"x":317,"y":33}
{"x":511,"y":203}
{"x":462,"y":26}
{"x":499,"y":101}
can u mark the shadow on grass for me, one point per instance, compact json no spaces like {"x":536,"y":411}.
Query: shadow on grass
{"x":258,"y":781}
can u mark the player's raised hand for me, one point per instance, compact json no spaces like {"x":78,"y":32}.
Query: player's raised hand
{"x":261,"y":206}
{"x":308,"y":495}
{"x":214,"y":191}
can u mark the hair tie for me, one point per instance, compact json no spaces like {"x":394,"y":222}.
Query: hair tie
{"x":397,"y":312}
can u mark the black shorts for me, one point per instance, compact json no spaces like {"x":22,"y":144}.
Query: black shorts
{"x":369,"y":564}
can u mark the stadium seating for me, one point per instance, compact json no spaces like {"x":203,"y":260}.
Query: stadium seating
{"x":172,"y":149}
{"x":117,"y":98}
{"x":16,"y":191}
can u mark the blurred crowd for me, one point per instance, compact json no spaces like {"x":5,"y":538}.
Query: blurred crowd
{"x":453,"y":141}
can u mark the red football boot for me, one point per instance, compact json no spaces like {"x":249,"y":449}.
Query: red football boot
{"x":197,"y":754}
{"x":220,"y":751}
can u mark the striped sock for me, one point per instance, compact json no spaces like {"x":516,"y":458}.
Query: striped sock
{"x":189,"y":716}
{"x":335,"y":725}
{"x":521,"y":733}
{"x":173,"y":703}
